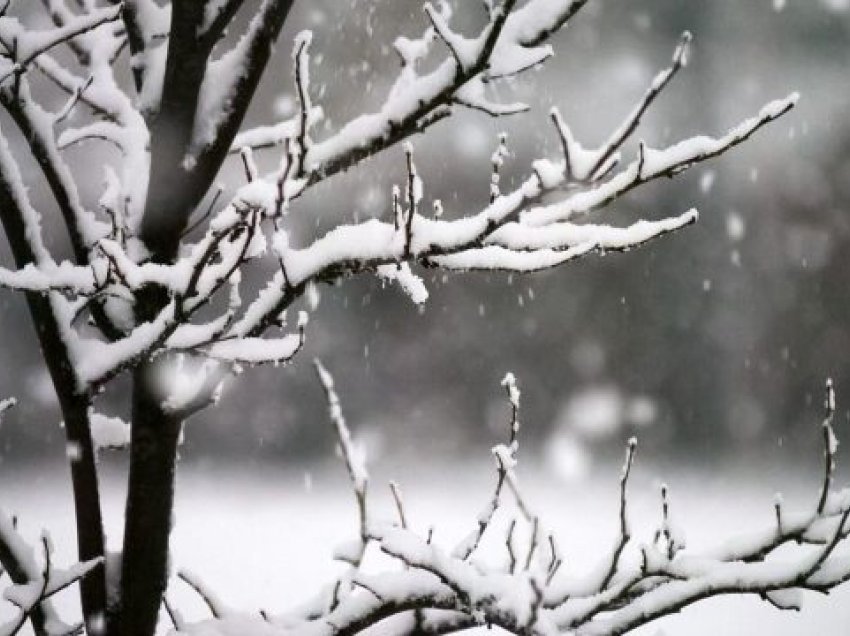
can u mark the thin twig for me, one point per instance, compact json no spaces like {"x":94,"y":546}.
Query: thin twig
{"x":206,"y":596}
{"x":625,"y":534}
{"x":829,"y":444}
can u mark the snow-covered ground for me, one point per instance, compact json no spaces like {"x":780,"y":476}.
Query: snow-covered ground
{"x":261,"y":536}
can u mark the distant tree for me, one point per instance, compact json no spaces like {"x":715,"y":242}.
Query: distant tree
{"x":152,"y":289}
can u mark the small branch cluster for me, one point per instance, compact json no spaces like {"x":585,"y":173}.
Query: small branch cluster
{"x":32,"y":586}
{"x":440,"y":591}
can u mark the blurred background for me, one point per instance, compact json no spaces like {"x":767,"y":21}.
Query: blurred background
{"x":712,"y":345}
{"x":716,"y":339}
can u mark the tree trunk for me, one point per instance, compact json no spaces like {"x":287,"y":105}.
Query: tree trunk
{"x":175,"y":188}
{"x":75,"y":411}
{"x":90,"y":537}
{"x":150,"y":500}
{"x":172,"y":192}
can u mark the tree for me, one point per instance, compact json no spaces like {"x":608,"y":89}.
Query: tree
{"x":165,"y":85}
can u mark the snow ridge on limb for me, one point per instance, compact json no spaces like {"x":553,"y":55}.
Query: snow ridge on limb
{"x":506,"y":45}
{"x":31,"y":44}
{"x":445,"y":591}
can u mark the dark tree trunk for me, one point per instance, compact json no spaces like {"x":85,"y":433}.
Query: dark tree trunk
{"x":90,"y":537}
{"x":74,"y":405}
{"x":150,"y":488}
{"x":150,"y":501}
{"x":175,"y":188}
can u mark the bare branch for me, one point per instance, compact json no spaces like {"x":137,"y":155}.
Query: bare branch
{"x":302,"y":85}
{"x":830,"y":444}
{"x":633,"y":120}
{"x":625,"y":533}
{"x":505,"y":459}
{"x":207,"y":596}
{"x":353,"y":456}
{"x":399,"y":504}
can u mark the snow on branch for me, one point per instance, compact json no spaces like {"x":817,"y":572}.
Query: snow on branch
{"x":509,"y":43}
{"x":355,"y":461}
{"x":33,"y":585}
{"x":505,"y":456}
{"x":588,"y":166}
{"x":642,"y":579}
{"x":123,"y":299}
{"x":509,"y":234}
{"x":649,"y":165}
{"x":230,"y":81}
{"x":112,"y":268}
{"x":29,"y":44}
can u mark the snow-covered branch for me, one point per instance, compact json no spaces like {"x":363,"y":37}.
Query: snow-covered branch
{"x":34,"y":585}
{"x":509,"y":43}
{"x":149,"y":288}
{"x":113,"y":270}
{"x":641,"y":580}
{"x":23,"y":46}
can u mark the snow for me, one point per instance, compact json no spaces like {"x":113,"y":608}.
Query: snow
{"x":215,"y":96}
{"x":5,"y":405}
{"x":272,"y":135}
{"x":489,"y":238}
{"x":24,"y":595}
{"x":498,"y":258}
{"x":526,"y":24}
{"x":542,"y":237}
{"x":829,"y":402}
{"x":30,"y":218}
{"x":49,"y":276}
{"x":411,"y":50}
{"x":256,"y":350}
{"x":465,"y":50}
{"x":216,"y":605}
{"x":369,"y":240}
{"x":409,"y":282}
{"x":516,"y":236}
{"x":510,"y":384}
{"x":21,"y":552}
{"x":353,"y":454}
{"x":153,"y":61}
{"x":706,"y":181}
{"x":280,"y":534}
{"x":211,"y":11}
{"x":654,"y":163}
{"x":96,"y":361}
{"x":349,"y":552}
{"x":32,"y":43}
{"x":473,"y":94}
{"x":108,"y":432}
